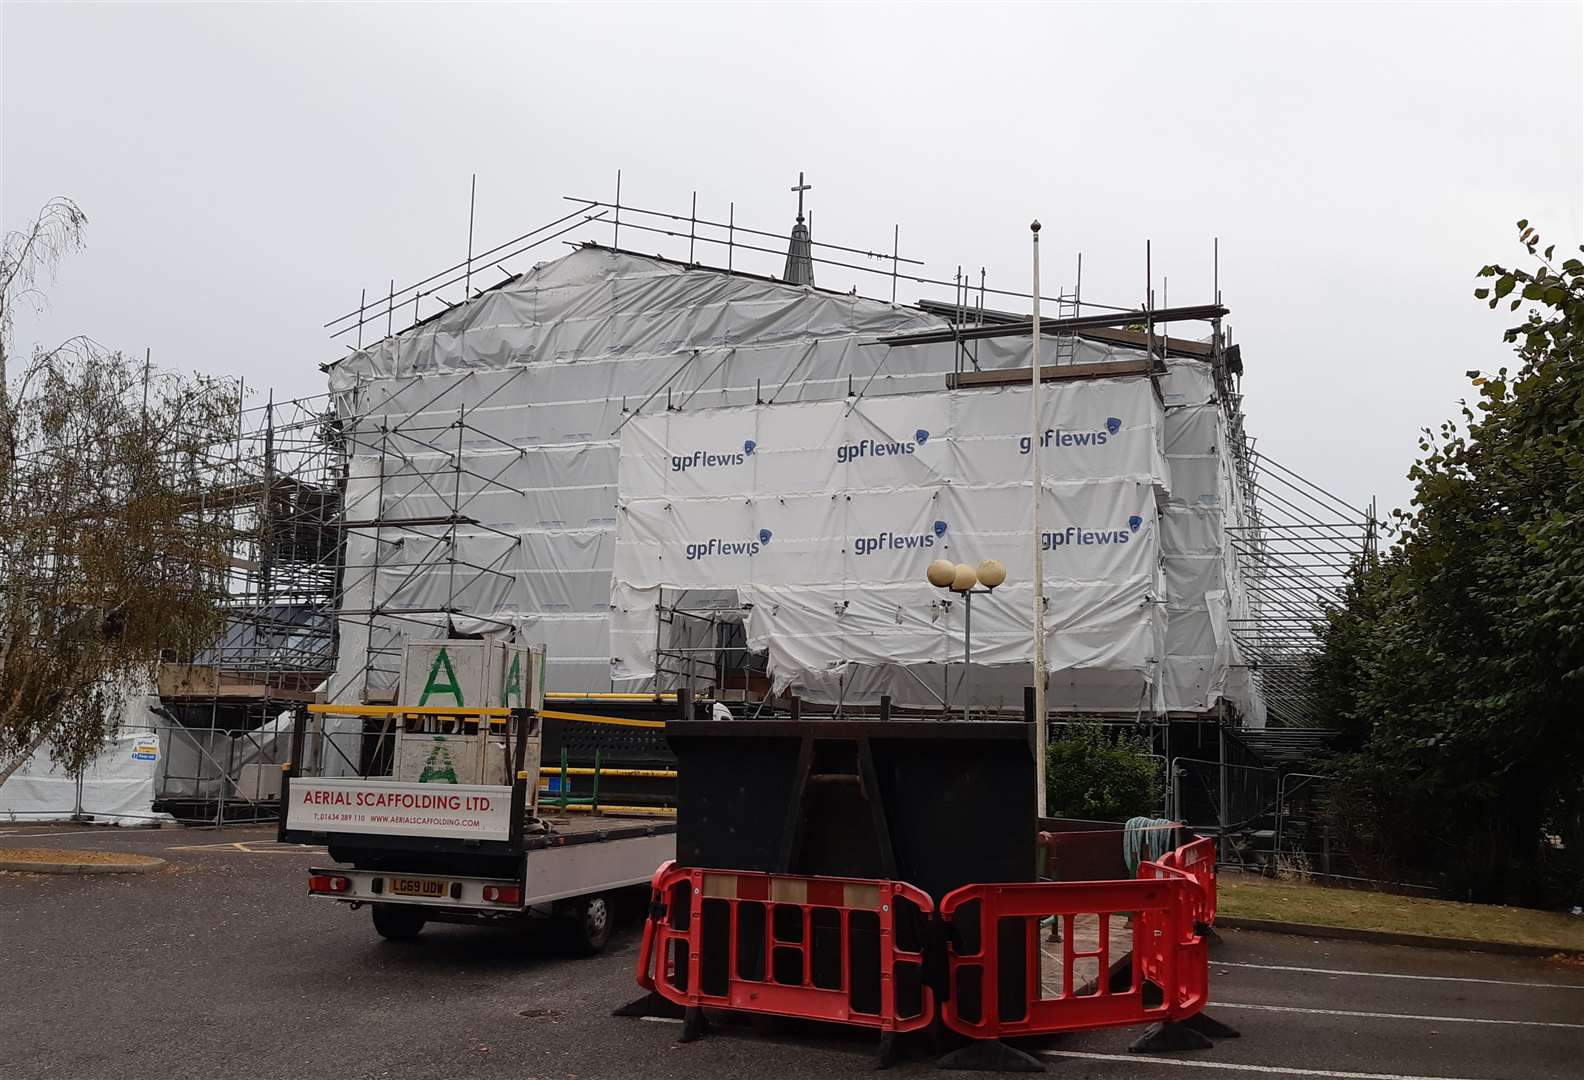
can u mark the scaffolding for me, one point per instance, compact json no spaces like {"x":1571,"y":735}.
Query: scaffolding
{"x":280,"y":483}
{"x":417,"y":461}
{"x":309,"y":556}
{"x":889,"y":269}
{"x":1297,"y":553}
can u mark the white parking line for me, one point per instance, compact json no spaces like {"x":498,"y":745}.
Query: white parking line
{"x":246,"y":846}
{"x":1273,"y":1070}
{"x":1397,"y":1016}
{"x":1394,"y":975}
{"x":1227,"y":1066}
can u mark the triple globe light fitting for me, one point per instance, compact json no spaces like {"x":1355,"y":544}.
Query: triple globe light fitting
{"x":960,"y":577}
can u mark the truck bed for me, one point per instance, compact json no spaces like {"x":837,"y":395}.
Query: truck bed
{"x":566,"y":829}
{"x":587,"y":853}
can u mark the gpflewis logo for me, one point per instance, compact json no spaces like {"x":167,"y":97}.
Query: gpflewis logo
{"x":708,"y":459}
{"x":870,"y":543}
{"x":720,"y":546}
{"x":1079,"y":536}
{"x":849,"y":452}
{"x":1062,"y":438}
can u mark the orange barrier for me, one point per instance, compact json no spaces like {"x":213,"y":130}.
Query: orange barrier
{"x":854,"y":951}
{"x":995,"y":964}
{"x":657,"y":911}
{"x":1175,"y":957}
{"x":822,"y":948}
{"x":1198,"y":861}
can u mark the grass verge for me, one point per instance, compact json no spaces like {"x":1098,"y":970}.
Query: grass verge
{"x":1247,"y":896}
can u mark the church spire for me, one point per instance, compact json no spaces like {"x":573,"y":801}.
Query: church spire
{"x":800,"y":260}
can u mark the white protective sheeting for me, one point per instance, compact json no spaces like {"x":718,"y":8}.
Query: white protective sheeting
{"x":1201,"y":661}
{"x":207,"y":763}
{"x":542,"y":373}
{"x":117,"y":786}
{"x":823,"y":517}
{"x":517,"y":412}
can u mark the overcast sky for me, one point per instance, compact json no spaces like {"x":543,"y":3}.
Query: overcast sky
{"x":247,"y":169}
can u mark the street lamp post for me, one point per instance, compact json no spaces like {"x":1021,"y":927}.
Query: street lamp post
{"x":1041,"y":726}
{"x":961,"y":578}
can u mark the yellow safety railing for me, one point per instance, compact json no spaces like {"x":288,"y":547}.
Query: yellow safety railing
{"x":409,"y":710}
{"x":493,"y":713}
{"x":590,"y":718}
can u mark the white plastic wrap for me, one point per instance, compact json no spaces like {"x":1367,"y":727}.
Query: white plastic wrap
{"x":118,"y":784}
{"x":823,"y":517}
{"x":1201,"y":661}
{"x":524,"y":410}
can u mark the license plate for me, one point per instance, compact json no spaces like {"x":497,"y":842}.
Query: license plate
{"x":400,"y":886}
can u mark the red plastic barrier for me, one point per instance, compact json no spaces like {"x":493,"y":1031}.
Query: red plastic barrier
{"x":852,"y":951}
{"x":838,"y":949}
{"x":1174,"y":956}
{"x":995,"y":966}
{"x":656,"y":911}
{"x":1198,"y":861}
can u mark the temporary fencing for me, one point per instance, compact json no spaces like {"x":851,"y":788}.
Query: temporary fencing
{"x":840,"y":949}
{"x":1173,"y":953}
{"x":995,"y":961}
{"x":1283,"y":823}
{"x":1198,"y":860}
{"x":876,"y":953}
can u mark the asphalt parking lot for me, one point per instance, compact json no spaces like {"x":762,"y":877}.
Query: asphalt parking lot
{"x":220,"y":966}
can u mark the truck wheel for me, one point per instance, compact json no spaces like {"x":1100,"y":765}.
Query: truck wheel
{"x":397,"y":922}
{"x":586,"y":923}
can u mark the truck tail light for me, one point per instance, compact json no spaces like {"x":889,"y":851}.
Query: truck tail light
{"x":329,"y":883}
{"x":502,"y":894}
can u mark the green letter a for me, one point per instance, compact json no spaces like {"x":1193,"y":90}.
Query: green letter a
{"x":512,"y":691}
{"x":434,"y":686}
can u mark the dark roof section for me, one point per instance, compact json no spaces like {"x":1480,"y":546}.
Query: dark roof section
{"x":1110,"y":327}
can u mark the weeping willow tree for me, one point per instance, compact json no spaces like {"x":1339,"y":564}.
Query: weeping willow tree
{"x":114,"y":527}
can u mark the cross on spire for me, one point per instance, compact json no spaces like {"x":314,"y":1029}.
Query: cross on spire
{"x":800,"y":189}
{"x":800,"y":256}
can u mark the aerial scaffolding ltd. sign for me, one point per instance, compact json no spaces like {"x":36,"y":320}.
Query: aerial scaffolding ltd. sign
{"x":353,"y":805}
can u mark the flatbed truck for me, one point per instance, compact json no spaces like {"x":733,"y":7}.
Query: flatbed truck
{"x":417,"y":852}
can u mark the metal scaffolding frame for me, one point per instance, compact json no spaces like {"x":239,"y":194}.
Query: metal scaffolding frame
{"x":728,"y":238}
{"x":401,"y":448}
{"x":1297,"y":556}
{"x":285,"y":472}
{"x":280,"y":483}
{"x":1291,"y":522}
